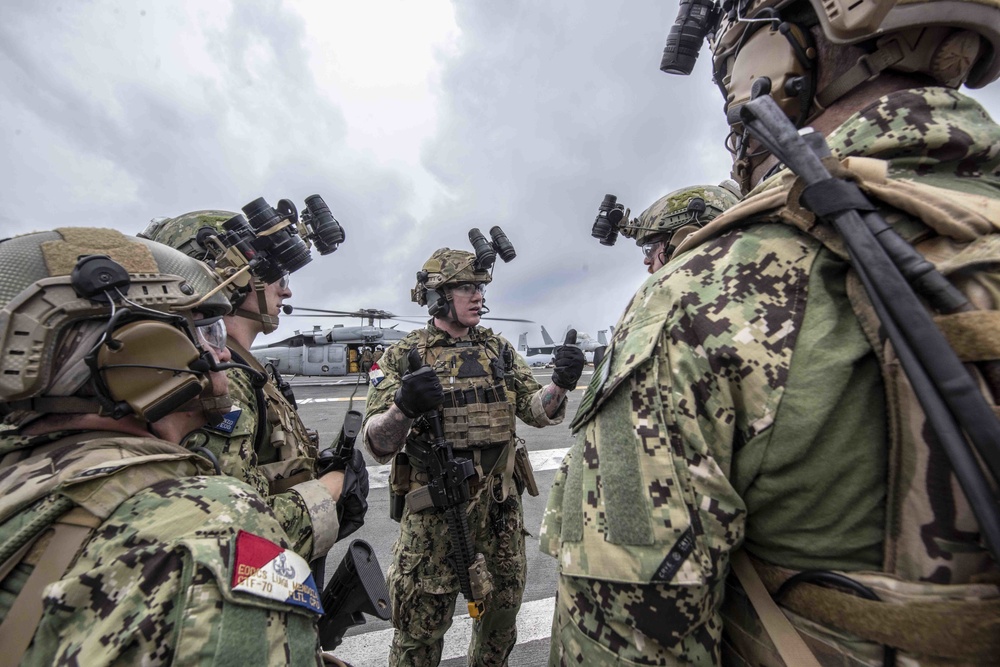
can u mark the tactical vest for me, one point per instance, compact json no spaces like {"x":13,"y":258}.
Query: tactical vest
{"x":47,"y":515}
{"x":286,"y":449}
{"x":478,"y":413}
{"x":926,"y":543}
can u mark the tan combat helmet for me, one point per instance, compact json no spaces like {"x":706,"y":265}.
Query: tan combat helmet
{"x":952,"y":41}
{"x":445,"y":267}
{"x":766,"y":47}
{"x":188,"y":233}
{"x":691,"y":206}
{"x":95,"y":321}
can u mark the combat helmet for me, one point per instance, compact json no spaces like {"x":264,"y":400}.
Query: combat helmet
{"x":189,"y":233}
{"x":445,"y":267}
{"x":96,"y":321}
{"x":695,"y":205}
{"x":765,"y":47}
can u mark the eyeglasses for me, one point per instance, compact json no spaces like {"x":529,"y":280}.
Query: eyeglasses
{"x":468,"y":289}
{"x":213,"y":335}
{"x":283,"y":281}
{"x":649,"y":249}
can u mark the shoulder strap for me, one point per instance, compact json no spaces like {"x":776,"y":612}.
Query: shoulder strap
{"x":791,"y":647}
{"x":68,"y":535}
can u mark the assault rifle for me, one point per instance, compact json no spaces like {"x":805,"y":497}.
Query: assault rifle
{"x":357,"y":588}
{"x":449,"y":492}
{"x":892,"y":272}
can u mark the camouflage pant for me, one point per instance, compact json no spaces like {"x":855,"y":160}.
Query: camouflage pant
{"x":423,"y":586}
{"x":605,"y":624}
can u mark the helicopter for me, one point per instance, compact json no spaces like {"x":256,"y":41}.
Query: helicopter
{"x":332,"y":351}
{"x":335,"y":351}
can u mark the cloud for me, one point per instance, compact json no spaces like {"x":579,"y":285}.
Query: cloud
{"x":415,"y":121}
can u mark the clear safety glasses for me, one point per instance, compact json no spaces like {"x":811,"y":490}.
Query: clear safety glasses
{"x":213,"y":335}
{"x":468,"y":289}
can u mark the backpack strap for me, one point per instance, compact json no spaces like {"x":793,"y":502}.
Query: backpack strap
{"x":65,"y":540}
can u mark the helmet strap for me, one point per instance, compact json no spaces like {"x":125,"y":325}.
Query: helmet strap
{"x":868,"y":67}
{"x":268,"y":322}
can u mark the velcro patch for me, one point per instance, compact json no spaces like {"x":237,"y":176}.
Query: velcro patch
{"x":228,"y":422}
{"x":375,"y":375}
{"x":264,"y":569}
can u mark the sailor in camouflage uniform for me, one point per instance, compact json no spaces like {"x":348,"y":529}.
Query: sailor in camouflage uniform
{"x":264,"y":442}
{"x":669,"y":220}
{"x":485,"y":385}
{"x":743,"y":403}
{"x":115,"y":547}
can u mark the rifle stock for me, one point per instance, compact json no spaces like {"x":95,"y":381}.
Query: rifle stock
{"x":356,"y":588}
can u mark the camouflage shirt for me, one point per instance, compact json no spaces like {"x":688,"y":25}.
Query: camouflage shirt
{"x":393,"y":365}
{"x":739,"y":401}
{"x":154,"y":583}
{"x":305,"y":510}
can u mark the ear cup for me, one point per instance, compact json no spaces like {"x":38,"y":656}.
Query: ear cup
{"x":437,"y":304}
{"x":146,"y":365}
{"x":776,"y":61}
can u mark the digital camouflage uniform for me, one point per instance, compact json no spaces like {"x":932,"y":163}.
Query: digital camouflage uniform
{"x":153,"y":583}
{"x":740,"y":403}
{"x":422,"y":583}
{"x":282,"y":467}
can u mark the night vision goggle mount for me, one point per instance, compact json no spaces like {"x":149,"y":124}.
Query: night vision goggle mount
{"x":267,"y":244}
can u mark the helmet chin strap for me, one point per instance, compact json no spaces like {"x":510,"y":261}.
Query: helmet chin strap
{"x":269,"y":323}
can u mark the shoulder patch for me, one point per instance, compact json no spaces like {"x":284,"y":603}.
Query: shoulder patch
{"x":264,"y":569}
{"x":375,"y":375}
{"x":228,"y":422}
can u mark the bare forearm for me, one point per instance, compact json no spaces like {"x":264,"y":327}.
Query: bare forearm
{"x":386,"y":432}
{"x":552,"y":398}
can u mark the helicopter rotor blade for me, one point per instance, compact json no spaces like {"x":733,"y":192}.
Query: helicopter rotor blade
{"x":507,"y":319}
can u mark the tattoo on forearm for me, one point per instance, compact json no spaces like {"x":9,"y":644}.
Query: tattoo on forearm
{"x":552,"y":398}
{"x":387,"y":432}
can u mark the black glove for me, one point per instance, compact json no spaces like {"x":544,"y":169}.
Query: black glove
{"x":353,"y":503}
{"x":419,"y":392}
{"x":569,"y":361}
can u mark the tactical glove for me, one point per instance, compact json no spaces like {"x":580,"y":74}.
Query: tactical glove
{"x":419,"y":392}
{"x":569,"y":361}
{"x":353,"y":503}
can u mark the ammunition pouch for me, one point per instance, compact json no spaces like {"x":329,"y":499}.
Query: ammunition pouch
{"x":478,"y":417}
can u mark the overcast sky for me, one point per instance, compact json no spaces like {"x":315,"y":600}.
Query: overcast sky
{"x":414,"y":120}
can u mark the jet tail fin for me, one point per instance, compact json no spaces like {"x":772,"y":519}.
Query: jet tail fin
{"x":546,"y":337}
